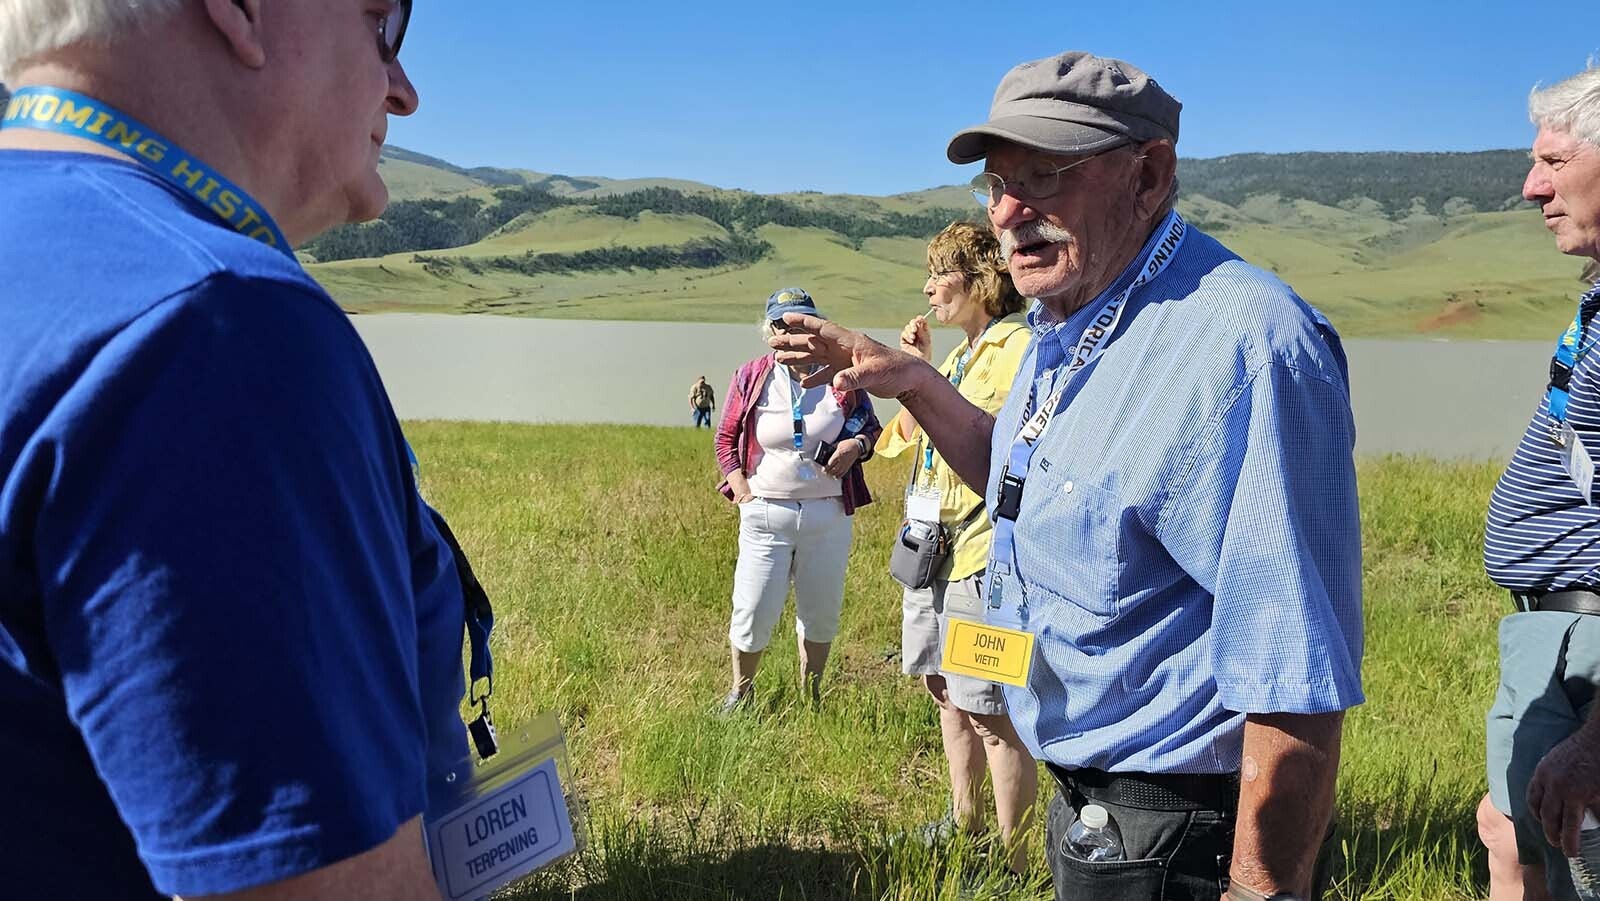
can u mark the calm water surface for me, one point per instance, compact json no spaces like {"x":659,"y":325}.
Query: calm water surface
{"x":1440,"y":398}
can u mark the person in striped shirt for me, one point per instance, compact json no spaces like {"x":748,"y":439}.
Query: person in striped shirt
{"x":1542,"y":541}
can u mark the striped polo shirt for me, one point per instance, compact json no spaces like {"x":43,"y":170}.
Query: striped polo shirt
{"x":1542,"y":533}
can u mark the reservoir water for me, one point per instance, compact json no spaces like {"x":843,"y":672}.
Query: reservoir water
{"x":1454,"y":399}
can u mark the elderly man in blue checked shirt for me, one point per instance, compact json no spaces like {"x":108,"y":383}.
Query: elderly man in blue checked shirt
{"x":1174,"y":498}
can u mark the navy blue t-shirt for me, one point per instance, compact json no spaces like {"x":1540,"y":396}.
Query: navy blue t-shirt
{"x":230,"y":637}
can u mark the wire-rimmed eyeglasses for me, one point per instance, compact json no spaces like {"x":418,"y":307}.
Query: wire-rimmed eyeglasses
{"x":988,"y":187}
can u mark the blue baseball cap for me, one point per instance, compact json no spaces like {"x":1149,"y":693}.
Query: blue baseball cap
{"x":791,"y":300}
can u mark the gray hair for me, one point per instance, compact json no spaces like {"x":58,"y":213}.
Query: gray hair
{"x":1571,"y":106}
{"x":31,"y":27}
{"x":767,"y":331}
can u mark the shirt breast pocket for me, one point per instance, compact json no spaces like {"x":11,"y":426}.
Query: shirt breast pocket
{"x":1067,"y":542}
{"x":982,"y":396}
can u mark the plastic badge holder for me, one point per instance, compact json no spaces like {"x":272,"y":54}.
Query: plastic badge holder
{"x":509,"y":816}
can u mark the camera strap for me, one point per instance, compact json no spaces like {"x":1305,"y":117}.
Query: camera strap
{"x":1574,"y":344}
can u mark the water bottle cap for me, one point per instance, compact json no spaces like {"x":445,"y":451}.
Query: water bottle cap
{"x":1094,"y":816}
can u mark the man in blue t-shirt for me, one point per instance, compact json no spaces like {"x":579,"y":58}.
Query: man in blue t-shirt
{"x":230,"y":634}
{"x":1542,"y":541}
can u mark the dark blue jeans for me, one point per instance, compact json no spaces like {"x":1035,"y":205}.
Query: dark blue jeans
{"x":702,"y":418}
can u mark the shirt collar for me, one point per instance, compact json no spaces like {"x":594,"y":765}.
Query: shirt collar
{"x":1043,"y":322}
{"x":991,"y":336}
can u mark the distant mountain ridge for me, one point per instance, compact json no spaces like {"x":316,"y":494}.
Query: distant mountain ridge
{"x":438,"y":205}
{"x":1400,"y":183}
{"x":1387,"y":244}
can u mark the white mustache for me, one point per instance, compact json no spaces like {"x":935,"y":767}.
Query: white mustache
{"x":1031,"y":233}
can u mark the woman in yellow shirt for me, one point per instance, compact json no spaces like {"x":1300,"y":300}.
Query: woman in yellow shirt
{"x":968,"y":287}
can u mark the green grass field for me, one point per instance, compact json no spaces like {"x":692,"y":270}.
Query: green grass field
{"x":1472,"y":275}
{"x":611,"y":557}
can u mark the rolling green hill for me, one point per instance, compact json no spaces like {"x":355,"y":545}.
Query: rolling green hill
{"x":1385,"y":244}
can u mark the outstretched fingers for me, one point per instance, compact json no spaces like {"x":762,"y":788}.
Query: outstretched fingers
{"x":822,"y":375}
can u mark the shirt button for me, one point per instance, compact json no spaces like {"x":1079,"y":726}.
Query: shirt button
{"x":1066,"y":487}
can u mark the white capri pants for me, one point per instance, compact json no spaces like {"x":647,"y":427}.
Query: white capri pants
{"x":781,"y":540}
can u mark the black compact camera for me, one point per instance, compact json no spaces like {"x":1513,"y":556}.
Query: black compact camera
{"x":823,"y":453}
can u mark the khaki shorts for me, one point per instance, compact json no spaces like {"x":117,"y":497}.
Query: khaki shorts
{"x":922,"y":625}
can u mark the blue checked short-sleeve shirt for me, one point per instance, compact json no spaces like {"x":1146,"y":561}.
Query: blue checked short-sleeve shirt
{"x":1188,"y":543}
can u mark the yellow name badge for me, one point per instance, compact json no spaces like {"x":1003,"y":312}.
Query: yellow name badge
{"x":987,"y":652}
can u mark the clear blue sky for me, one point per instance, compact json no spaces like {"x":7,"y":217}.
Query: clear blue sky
{"x":861,"y":97}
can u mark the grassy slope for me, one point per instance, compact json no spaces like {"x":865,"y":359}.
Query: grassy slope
{"x":611,"y":574}
{"x":410,"y":181}
{"x":878,"y":284}
{"x":1478,"y":275}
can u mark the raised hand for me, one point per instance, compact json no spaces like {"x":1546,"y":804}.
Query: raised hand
{"x":848,"y":359}
{"x":917,"y":339}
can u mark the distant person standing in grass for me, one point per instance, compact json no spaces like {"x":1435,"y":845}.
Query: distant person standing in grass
{"x":230,"y":632}
{"x":702,"y":400}
{"x":1173,"y":491}
{"x":794,"y":511}
{"x":968,"y":287}
{"x":1542,"y":541}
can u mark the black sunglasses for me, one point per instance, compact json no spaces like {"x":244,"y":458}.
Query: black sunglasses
{"x":392,"y":30}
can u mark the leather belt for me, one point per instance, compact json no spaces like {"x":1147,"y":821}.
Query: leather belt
{"x":1570,"y":600}
{"x":1153,"y":791}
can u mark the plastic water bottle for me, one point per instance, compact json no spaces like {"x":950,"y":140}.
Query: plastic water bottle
{"x":1586,"y":866}
{"x":1095,"y":836}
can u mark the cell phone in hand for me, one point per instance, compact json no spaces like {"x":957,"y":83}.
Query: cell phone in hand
{"x":823,"y":453}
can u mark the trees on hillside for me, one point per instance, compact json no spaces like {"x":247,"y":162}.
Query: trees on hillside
{"x":422,"y":225}
{"x":702,"y":253}
{"x":1489,"y":180}
{"x":1393,"y":184}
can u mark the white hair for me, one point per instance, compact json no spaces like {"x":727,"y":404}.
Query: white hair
{"x":31,"y":27}
{"x":1571,"y":106}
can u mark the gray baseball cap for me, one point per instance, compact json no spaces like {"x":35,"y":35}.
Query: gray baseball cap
{"x":1074,"y":102}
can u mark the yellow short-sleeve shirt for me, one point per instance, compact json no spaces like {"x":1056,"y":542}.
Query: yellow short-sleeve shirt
{"x":986,"y":384}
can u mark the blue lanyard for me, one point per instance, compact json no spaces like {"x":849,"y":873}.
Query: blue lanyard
{"x":796,"y":395}
{"x":852,"y":425}
{"x":71,"y":113}
{"x":955,"y":380}
{"x":1049,"y":357}
{"x":1569,"y":351}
